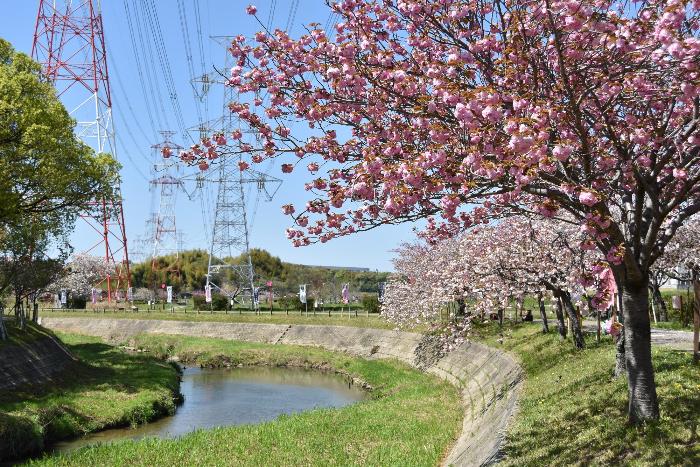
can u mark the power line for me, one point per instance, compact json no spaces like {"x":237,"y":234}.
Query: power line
{"x":292,"y":15}
{"x":162,"y":53}
{"x":151,"y":73}
{"x":125,"y":97}
{"x":271,"y":14}
{"x":139,"y":68}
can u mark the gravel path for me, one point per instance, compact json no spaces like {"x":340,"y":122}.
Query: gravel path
{"x":679,"y":340}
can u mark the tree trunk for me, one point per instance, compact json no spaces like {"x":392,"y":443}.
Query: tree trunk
{"x":597,"y":319}
{"x":561,"y":327}
{"x":643,"y":403}
{"x":543,"y":314}
{"x":620,"y":369}
{"x":19,"y":313}
{"x":500,"y":316}
{"x":658,"y":299}
{"x":696,"y":317}
{"x":35,"y":312}
{"x":3,"y":331}
{"x":521,"y":305}
{"x":576,"y":332}
{"x":461,"y":307}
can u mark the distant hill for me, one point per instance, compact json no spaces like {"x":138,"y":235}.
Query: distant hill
{"x":285,"y":277}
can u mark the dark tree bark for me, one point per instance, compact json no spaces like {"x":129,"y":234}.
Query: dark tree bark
{"x":643,"y":402}
{"x":576,"y":331}
{"x":3,"y":330}
{"x":659,"y":302}
{"x":461,"y":307}
{"x":543,"y":314}
{"x":500,"y":316}
{"x":19,"y":314}
{"x":561,"y":326}
{"x":620,"y":369}
{"x":696,"y":317}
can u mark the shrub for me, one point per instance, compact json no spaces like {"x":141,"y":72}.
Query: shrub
{"x":292,"y":302}
{"x":77,"y":302}
{"x":199,"y":302}
{"x":370,"y":303}
{"x":218,"y":302}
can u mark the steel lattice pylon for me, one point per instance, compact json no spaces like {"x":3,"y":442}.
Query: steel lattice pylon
{"x":230,"y":234}
{"x":69,"y":44}
{"x":165,"y":185}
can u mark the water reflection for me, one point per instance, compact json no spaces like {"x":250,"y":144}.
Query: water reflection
{"x":222,"y":397}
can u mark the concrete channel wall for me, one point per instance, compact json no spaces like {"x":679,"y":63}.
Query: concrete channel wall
{"x":29,"y":363}
{"x":488,"y":379}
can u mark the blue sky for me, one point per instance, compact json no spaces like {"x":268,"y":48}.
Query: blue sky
{"x":137,"y":119}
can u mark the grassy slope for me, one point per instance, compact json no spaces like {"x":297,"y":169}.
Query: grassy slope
{"x":373,"y":321}
{"x":411,"y":419}
{"x":107,"y":388}
{"x":31,"y":333}
{"x":572,"y":412}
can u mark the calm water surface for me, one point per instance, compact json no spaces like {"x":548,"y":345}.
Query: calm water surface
{"x":223,"y":397}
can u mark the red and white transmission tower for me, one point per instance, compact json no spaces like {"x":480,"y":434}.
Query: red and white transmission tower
{"x":69,"y":43}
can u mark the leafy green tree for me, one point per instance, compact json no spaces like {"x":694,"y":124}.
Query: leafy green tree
{"x":26,"y":269}
{"x":47,"y":178}
{"x":45,"y":168}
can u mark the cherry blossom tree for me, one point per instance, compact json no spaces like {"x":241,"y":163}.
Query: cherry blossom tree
{"x":82,"y":273}
{"x":489,"y":264}
{"x":681,"y":261}
{"x":460,"y":110}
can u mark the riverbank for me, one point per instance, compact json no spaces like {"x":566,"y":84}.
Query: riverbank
{"x":104,"y":388}
{"x":573,"y":412}
{"x":412,"y":418}
{"x":362,"y":320}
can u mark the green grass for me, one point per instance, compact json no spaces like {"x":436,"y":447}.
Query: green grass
{"x":15,"y":336}
{"x":106,"y":388}
{"x":362,"y":321}
{"x":573,"y":412}
{"x":411,"y":418}
{"x":672,"y":325}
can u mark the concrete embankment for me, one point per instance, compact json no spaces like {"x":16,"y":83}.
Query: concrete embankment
{"x":488,"y":379}
{"x":31,"y":363}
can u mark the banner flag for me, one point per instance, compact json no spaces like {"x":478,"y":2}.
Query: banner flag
{"x":380,"y":291}
{"x":207,"y":293}
{"x":64,"y":296}
{"x":170,"y":293}
{"x":676,"y":302}
{"x":130,"y":294}
{"x":256,"y":297}
{"x":346,"y":293}
{"x":302,"y":293}
{"x":93,"y":294}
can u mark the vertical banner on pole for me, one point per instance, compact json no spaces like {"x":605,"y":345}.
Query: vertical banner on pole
{"x":256,"y":297}
{"x":269,"y":291}
{"x":676,"y":302}
{"x":207,"y":293}
{"x":130,"y":294}
{"x":64,"y":296}
{"x":380,"y":290}
{"x":170,"y":293}
{"x":93,"y":295}
{"x":302,"y":293}
{"x":346,"y":293}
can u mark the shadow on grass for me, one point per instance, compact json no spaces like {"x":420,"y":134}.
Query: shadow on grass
{"x":105,"y":388}
{"x":573,"y":412}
